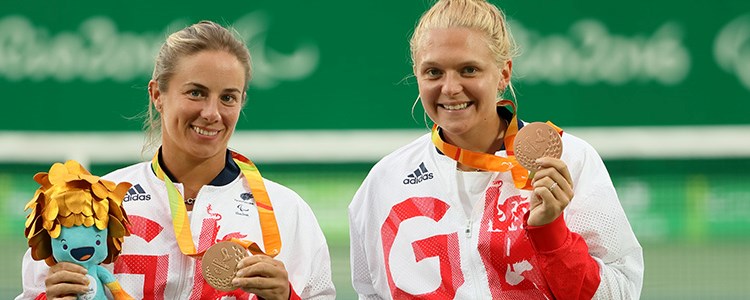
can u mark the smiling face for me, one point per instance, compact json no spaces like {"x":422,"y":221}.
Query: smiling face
{"x":459,"y":81}
{"x":86,"y":246}
{"x":201,"y":104}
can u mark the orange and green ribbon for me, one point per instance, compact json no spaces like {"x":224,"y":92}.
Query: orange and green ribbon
{"x":268,"y":226}
{"x":490,"y":162}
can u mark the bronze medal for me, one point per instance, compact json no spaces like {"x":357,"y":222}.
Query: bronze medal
{"x":220,"y":264}
{"x":536,"y":140}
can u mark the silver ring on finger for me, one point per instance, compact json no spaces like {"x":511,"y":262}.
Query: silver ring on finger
{"x":552,"y":187}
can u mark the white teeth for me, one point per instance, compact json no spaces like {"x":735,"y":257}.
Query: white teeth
{"x":204,"y":132}
{"x":456,"y":107}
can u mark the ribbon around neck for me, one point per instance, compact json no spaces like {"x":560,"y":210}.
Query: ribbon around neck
{"x":490,"y":162}
{"x":268,"y":225}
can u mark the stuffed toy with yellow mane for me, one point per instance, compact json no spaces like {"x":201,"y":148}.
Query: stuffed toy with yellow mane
{"x":78,"y":217}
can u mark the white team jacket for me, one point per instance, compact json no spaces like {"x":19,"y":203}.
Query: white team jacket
{"x":410,"y":235}
{"x":151,"y":265}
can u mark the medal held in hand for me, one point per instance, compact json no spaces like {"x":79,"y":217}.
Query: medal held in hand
{"x":220,"y":264}
{"x":536,"y":140}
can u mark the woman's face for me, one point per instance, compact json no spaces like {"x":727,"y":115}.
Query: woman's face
{"x":201,"y":105}
{"x":459,"y":80}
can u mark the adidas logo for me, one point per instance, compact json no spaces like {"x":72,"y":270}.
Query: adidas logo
{"x":136,"y":193}
{"x":419,"y":175}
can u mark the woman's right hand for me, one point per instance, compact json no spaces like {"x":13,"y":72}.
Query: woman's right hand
{"x":66,"y":281}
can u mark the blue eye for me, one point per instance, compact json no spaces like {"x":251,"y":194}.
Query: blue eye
{"x":98,"y":242}
{"x":65,"y":247}
{"x":470,"y":70}
{"x":433,"y":73}
{"x":195,"y":94}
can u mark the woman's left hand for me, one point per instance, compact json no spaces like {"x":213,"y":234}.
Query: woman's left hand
{"x":553,"y":190}
{"x":263,"y":276}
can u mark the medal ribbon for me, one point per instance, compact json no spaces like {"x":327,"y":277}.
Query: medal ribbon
{"x":268,"y":226}
{"x":490,"y":162}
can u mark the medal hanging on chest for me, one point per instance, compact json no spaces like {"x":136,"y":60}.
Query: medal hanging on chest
{"x":534,"y":138}
{"x":220,"y":260}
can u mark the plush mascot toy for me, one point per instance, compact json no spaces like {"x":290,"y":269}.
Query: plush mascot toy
{"x":77,"y":217}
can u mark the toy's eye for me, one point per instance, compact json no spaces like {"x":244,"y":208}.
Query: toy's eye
{"x":65,"y":247}
{"x":64,"y":244}
{"x":98,"y":242}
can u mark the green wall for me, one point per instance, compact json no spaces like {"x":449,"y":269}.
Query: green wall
{"x":84,"y":65}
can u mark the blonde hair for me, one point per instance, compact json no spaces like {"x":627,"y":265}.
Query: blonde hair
{"x":479,"y":15}
{"x":202,"y":36}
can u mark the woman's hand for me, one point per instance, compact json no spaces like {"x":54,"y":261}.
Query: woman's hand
{"x":263,"y":276}
{"x":553,"y":190}
{"x":66,"y":281}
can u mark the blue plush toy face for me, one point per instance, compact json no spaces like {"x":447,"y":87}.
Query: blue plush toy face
{"x":86,"y":246}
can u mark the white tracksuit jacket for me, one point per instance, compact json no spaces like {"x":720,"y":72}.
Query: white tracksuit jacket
{"x":151,"y":265}
{"x":411,"y":238}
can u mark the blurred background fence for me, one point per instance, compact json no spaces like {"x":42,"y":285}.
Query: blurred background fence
{"x":661,"y":89}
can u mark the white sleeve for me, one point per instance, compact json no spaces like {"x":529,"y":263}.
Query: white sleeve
{"x":319,"y":284}
{"x":361,"y":275}
{"x":596,"y":214}
{"x":33,"y":274}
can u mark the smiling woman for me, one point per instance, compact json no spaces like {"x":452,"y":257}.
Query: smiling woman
{"x":199,"y":106}
{"x":498,"y":229}
{"x":459,"y":81}
{"x":194,"y":182}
